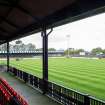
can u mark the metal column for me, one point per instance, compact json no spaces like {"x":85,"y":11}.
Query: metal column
{"x":7,"y":56}
{"x":45,"y":60}
{"x":44,"y":35}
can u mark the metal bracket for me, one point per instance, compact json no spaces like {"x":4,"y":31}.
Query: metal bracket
{"x":44,"y":29}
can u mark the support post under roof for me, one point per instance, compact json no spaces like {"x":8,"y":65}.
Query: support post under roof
{"x":45,"y":60}
{"x":45,"y":35}
{"x":7,"y":56}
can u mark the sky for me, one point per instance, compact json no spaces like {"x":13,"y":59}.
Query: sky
{"x":87,"y":33}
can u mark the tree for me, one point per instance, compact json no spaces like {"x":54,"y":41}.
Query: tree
{"x":103,"y":51}
{"x":17,"y":46}
{"x":3,"y":47}
{"x":20,"y":46}
{"x":39,"y":49}
{"x":18,"y":42}
{"x":80,"y":50}
{"x":51,"y":49}
{"x":97,"y":50}
{"x":73,"y":51}
{"x":30,"y":47}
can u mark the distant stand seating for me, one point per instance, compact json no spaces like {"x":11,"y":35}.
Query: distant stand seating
{"x":8,"y":96}
{"x":30,"y":53}
{"x":5,"y":52}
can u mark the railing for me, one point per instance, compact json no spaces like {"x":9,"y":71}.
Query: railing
{"x":59,"y":93}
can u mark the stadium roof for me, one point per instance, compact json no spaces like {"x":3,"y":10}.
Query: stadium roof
{"x":19,"y":18}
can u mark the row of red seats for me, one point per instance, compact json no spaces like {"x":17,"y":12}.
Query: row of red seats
{"x":4,"y":95}
{"x":9,"y":92}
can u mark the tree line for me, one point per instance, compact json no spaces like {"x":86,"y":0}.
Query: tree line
{"x":20,"y":46}
{"x":94,"y":51}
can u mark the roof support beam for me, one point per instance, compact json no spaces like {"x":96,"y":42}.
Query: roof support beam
{"x":28,"y":13}
{"x":5,"y":4}
{"x":9,"y":2}
{"x":13,"y":5}
{"x":10,"y":23}
{"x":3,"y":30}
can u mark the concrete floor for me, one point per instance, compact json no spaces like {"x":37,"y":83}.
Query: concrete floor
{"x":31,"y":95}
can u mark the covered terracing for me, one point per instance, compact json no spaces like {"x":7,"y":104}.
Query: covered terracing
{"x":20,"y":18}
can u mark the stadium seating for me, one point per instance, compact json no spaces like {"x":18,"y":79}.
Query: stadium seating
{"x":8,"y":96}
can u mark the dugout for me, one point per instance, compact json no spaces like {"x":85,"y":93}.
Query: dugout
{"x":20,"y":18}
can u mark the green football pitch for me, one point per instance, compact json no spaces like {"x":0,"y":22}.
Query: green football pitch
{"x":83,"y":75}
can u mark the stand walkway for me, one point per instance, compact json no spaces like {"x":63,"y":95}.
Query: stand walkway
{"x":33,"y":96}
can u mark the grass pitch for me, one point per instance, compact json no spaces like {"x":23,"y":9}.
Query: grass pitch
{"x":83,"y":75}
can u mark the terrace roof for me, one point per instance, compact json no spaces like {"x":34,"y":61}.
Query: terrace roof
{"x":19,"y":18}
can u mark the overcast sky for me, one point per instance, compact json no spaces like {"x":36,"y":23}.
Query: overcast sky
{"x":87,"y":34}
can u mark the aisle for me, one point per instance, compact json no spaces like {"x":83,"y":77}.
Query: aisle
{"x":33,"y":96}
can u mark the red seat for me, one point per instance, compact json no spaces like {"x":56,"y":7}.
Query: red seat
{"x":8,"y":92}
